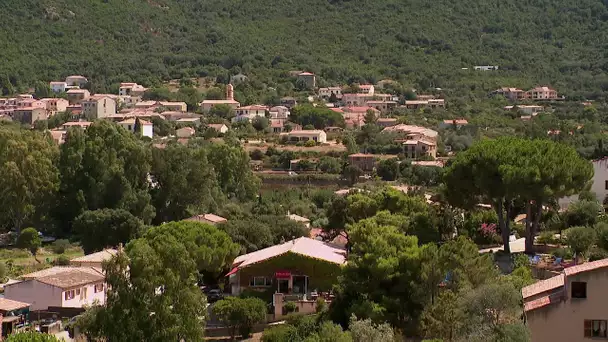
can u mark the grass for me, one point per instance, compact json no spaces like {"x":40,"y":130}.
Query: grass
{"x":21,"y":261}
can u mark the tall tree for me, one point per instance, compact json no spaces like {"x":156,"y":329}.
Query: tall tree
{"x":29,"y":176}
{"x":30,"y":240}
{"x":184,"y":183}
{"x":103,"y":228}
{"x":234,"y":175}
{"x":152,"y":296}
{"x":103,"y":167}
{"x":211,"y":249}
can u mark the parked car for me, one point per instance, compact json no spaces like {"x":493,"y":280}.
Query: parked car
{"x":214,"y":295}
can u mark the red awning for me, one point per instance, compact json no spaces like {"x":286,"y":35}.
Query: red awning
{"x":233,"y":271}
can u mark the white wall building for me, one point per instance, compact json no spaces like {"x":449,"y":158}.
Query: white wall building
{"x":68,"y":287}
{"x":147,"y":128}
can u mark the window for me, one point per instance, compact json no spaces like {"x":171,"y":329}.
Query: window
{"x":579,"y":289}
{"x":98,"y":288}
{"x":78,"y":292}
{"x":69,"y":295}
{"x":260,"y":282}
{"x":595,"y":328}
{"x":606,"y":185}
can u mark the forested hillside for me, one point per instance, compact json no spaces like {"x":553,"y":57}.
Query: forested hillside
{"x":422,"y":43}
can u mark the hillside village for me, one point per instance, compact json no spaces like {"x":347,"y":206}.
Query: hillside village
{"x":288,"y":207}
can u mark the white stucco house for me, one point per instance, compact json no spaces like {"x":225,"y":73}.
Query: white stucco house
{"x":599,"y":186}
{"x":147,"y":128}
{"x":66,"y":287}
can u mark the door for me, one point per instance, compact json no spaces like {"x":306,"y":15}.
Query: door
{"x":283,"y":285}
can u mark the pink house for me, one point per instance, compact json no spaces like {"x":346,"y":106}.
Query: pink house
{"x":66,"y":287}
{"x":542,"y":93}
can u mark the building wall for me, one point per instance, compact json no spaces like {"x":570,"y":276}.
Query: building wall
{"x":147,"y":131}
{"x":564,"y":321}
{"x":87,"y":297}
{"x":40,"y":295}
{"x":600,"y":177}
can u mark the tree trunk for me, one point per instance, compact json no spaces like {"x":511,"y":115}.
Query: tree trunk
{"x":529,"y":228}
{"x":504,"y":232}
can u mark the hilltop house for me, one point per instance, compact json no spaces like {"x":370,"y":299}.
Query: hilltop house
{"x":146,"y":127}
{"x":315,"y":135}
{"x":64,"y":287}
{"x":367,"y":162}
{"x":76,"y":80}
{"x":250,"y":112}
{"x":208,"y":218}
{"x":55,"y":105}
{"x":29,"y":115}
{"x":98,"y":107}
{"x":94,"y":259}
{"x":131,"y":89}
{"x":308,"y":79}
{"x":513,"y":94}
{"x":570,"y":306}
{"x":206,"y":105}
{"x":326,"y":93}
{"x":76,"y":96}
{"x":220,"y":128}
{"x":456,"y":123}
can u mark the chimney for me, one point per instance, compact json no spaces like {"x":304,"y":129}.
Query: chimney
{"x":229,"y":92}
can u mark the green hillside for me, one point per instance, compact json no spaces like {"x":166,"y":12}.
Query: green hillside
{"x":422,"y":43}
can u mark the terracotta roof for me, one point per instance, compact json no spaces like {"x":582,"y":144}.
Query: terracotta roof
{"x":543,"y":286}
{"x":456,"y":121}
{"x":297,"y":218}
{"x":208,"y":217}
{"x":412,"y":129}
{"x":217,"y":127}
{"x":76,"y":91}
{"x":355,"y":109}
{"x":537,"y":303}
{"x":337,"y":110}
{"x":104,"y":255}
{"x":437,"y":163}
{"x":78,"y":123}
{"x":306,"y":74}
{"x":254,"y":107}
{"x":309,"y":132}
{"x":387,"y":120}
{"x":60,"y":269}
{"x":219,"y":102}
{"x":588,"y":266}
{"x":71,"y":278}
{"x":303,"y":246}
{"x":10,"y":305}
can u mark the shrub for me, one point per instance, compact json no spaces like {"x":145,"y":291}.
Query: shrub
{"x":280,"y":333}
{"x":321,"y":305}
{"x":580,"y":239}
{"x":59,"y":246}
{"x":597,"y":254}
{"x":546,"y":238}
{"x":602,"y":235}
{"x":564,"y":253}
{"x":61,"y":260}
{"x":290,"y":307}
{"x":310,"y":143}
{"x":240,"y":313}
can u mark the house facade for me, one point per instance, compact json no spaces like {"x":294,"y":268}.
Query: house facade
{"x":146,"y":127}
{"x":308,"y":79}
{"x":220,"y":128}
{"x":326,"y":93}
{"x":131,"y":89}
{"x":76,"y":80}
{"x":76,"y":96}
{"x":55,"y":105}
{"x":367,"y":162}
{"x":68,"y":287}
{"x":416,"y":148}
{"x":315,"y":135}
{"x":542,"y":93}
{"x":58,"y":87}
{"x":512,"y":94}
{"x":570,"y":306}
{"x":29,"y":115}
{"x":98,"y":107}
{"x":250,"y":112}
{"x":296,"y":267}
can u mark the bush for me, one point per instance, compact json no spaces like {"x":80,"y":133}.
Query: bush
{"x":3,"y":272}
{"x":580,"y":239}
{"x":564,"y":253}
{"x":597,"y":254}
{"x":547,"y":238}
{"x":59,"y":246}
{"x":240,"y":313}
{"x":602,"y":235}
{"x":61,"y":260}
{"x":321,"y":305}
{"x":310,"y":143}
{"x":290,"y":307}
{"x":280,"y":333}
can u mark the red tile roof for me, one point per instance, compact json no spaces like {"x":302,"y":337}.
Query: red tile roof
{"x":543,"y":286}
{"x":537,"y":303}
{"x":588,"y":266}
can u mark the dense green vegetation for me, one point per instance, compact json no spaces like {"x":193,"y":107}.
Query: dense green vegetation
{"x":420,"y":43}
